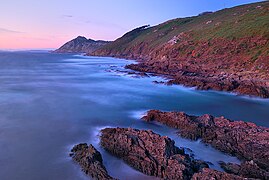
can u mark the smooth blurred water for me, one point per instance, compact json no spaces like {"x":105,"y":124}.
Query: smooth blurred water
{"x":50,"y":102}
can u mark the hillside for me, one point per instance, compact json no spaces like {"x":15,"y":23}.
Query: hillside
{"x":225,"y":50}
{"x":81,"y":45}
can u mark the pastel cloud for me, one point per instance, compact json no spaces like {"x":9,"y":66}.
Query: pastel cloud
{"x":3,"y":30}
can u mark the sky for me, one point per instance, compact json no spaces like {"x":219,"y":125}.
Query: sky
{"x":40,"y":24}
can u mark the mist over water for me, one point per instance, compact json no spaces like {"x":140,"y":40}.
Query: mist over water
{"x":50,"y":102}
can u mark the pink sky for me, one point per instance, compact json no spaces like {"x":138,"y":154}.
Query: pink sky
{"x":23,"y":40}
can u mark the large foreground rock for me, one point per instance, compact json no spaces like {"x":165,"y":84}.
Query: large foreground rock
{"x":245,"y":140}
{"x":90,"y":161}
{"x":150,"y":153}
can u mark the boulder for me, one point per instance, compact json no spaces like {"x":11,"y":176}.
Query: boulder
{"x":150,"y":153}
{"x":90,"y":161}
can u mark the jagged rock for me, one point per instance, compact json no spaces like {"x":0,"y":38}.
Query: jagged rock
{"x":246,"y":169}
{"x":150,"y":153}
{"x":90,"y":161}
{"x":210,"y":174}
{"x":242,"y":139}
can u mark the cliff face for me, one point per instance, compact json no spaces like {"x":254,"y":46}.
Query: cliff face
{"x":81,"y":45}
{"x":225,"y":50}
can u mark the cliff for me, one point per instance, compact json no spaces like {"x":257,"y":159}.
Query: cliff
{"x":81,"y":45}
{"x":227,"y":50}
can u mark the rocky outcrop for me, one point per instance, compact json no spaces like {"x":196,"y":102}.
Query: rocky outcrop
{"x":81,"y":45}
{"x":210,"y":174}
{"x":90,"y":161}
{"x":150,"y":153}
{"x":155,"y":155}
{"x":211,"y":81}
{"x":242,"y":139}
{"x":246,"y":169}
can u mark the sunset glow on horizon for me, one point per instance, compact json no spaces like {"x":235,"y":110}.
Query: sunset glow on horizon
{"x":42,"y":24}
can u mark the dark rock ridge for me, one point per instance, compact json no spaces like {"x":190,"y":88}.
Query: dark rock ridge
{"x":245,"y":169}
{"x":81,"y":45}
{"x":242,"y":139}
{"x":90,"y":161}
{"x":206,"y":80}
{"x":155,"y":155}
{"x":210,"y":174}
{"x":224,"y":50}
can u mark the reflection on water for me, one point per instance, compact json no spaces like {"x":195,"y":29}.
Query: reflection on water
{"x":49,"y":102}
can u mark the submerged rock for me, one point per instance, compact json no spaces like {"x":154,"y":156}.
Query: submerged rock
{"x":90,"y":161}
{"x":242,"y":139}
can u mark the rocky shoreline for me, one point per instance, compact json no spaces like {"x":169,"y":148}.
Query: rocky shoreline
{"x":192,"y":75}
{"x":156,"y":155}
{"x":245,"y":140}
{"x":207,"y":81}
{"x":147,"y":152}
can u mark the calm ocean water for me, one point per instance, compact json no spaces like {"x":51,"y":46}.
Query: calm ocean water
{"x":50,"y":102}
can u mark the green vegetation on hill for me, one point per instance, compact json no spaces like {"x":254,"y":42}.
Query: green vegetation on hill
{"x":224,"y":50}
{"x":233,"y":23}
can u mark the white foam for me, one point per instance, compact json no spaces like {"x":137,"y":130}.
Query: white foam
{"x":138,"y":114}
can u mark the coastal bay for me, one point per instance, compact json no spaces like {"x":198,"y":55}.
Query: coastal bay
{"x":63,"y":99}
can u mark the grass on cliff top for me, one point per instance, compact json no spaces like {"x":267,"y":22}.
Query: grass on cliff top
{"x":241,"y":21}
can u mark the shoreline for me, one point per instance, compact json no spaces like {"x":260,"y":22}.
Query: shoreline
{"x":208,"y":82}
{"x":199,"y":81}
